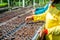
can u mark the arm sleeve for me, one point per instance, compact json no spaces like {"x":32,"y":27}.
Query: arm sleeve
{"x":39,"y":17}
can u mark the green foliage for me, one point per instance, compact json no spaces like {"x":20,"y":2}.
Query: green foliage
{"x":27,"y":2}
{"x":58,"y":6}
{"x":3,"y":4}
{"x":4,"y":0}
{"x":43,"y":2}
{"x":17,"y":3}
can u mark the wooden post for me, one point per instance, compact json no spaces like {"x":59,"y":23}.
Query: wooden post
{"x":23,"y":3}
{"x":34,"y":3}
{"x":39,"y":2}
{"x":19,"y":3}
{"x":1,"y":1}
{"x":9,"y":5}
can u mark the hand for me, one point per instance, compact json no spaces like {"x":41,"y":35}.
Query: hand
{"x":41,"y":34}
{"x":29,"y":18}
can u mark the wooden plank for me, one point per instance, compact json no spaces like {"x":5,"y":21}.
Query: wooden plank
{"x":3,"y":8}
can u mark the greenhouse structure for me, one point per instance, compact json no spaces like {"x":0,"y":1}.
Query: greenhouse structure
{"x":29,"y":20}
{"x":20,"y":3}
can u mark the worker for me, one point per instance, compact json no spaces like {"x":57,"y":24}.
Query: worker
{"x":51,"y":16}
